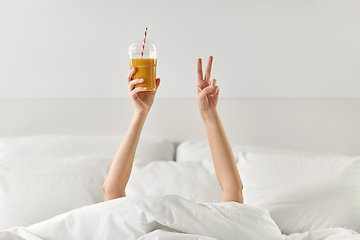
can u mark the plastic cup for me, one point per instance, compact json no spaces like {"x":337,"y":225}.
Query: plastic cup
{"x":145,"y":65}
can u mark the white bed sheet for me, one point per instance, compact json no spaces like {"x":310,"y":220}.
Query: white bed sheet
{"x":167,"y":217}
{"x":141,"y":216}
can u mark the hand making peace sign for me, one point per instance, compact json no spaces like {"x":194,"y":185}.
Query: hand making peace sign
{"x":207,"y":90}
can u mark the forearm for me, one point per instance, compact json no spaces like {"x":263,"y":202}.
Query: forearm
{"x":120,"y":170}
{"x":222,"y":154}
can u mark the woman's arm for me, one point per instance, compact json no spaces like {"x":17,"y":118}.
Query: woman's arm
{"x":221,"y":151}
{"x":120,"y":170}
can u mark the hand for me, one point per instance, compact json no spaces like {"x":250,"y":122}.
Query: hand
{"x":142,"y":100}
{"x":207,"y":90}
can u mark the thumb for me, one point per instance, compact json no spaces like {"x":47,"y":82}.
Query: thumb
{"x":205,"y":92}
{"x":157,"y":83}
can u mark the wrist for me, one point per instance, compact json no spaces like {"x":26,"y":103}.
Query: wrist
{"x":208,"y":115}
{"x":141,"y":113}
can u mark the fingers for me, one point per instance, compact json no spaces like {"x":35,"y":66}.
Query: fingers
{"x":208,"y":69}
{"x":199,"y":70}
{"x":157,"y":83}
{"x":132,"y":84}
{"x":212,"y":89}
{"x":131,"y":74}
{"x":205,"y":92}
{"x":203,"y":83}
{"x":213,"y":83}
{"x":215,"y":92}
{"x":135,"y":91}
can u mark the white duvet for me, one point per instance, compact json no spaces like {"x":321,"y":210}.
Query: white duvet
{"x":167,"y":217}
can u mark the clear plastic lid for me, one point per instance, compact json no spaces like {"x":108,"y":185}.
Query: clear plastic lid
{"x":136,"y":48}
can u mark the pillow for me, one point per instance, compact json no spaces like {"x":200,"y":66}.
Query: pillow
{"x":198,"y":150}
{"x":35,"y":190}
{"x":303,"y":193}
{"x":193,"y":150}
{"x":195,"y":181}
{"x":33,"y":147}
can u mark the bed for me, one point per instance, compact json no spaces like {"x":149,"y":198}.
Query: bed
{"x":51,"y":188}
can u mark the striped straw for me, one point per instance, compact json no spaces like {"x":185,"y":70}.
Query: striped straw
{"x":143,"y":45}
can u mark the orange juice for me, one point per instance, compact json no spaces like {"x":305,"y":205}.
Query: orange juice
{"x":146,"y":69}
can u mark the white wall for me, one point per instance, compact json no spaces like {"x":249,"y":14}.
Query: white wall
{"x":261,"y":48}
{"x":327,"y":126}
{"x":286,"y":65}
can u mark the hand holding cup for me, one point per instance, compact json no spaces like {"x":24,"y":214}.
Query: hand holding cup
{"x":141,"y":98}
